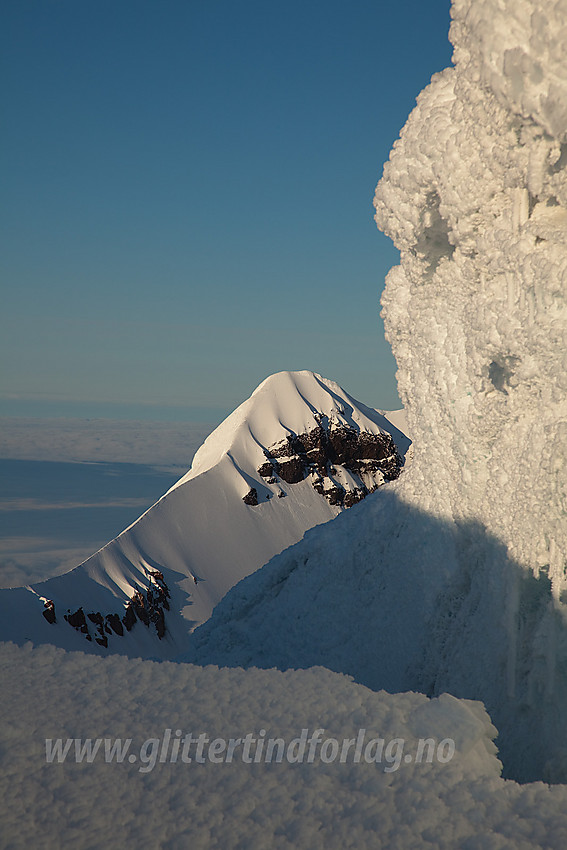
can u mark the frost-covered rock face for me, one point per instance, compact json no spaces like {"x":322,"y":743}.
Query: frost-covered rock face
{"x":475,"y":198}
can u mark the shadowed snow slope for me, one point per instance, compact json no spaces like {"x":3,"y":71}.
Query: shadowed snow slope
{"x":143,"y":591}
{"x":457,"y":573}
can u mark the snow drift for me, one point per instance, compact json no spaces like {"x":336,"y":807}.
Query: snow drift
{"x":456,"y":575}
{"x":294,"y":455}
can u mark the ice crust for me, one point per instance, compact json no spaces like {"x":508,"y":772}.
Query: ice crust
{"x":456,"y":575}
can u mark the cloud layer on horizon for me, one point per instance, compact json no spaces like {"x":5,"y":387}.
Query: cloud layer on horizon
{"x":171,"y":444}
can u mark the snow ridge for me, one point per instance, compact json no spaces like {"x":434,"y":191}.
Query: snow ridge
{"x":143,"y":592}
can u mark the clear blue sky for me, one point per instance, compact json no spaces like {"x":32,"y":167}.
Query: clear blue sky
{"x":187,"y":196}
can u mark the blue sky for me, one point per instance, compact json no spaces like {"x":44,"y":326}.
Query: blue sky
{"x":187,"y":197}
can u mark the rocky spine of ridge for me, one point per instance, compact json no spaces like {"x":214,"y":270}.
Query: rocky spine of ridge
{"x":371,"y":460}
{"x":146,"y":605}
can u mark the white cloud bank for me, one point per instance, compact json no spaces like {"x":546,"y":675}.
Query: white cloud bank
{"x":91,"y":440}
{"x":167,"y":446}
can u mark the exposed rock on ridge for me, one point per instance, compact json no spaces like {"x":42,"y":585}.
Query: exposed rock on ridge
{"x":345,"y":464}
{"x":146,"y":605}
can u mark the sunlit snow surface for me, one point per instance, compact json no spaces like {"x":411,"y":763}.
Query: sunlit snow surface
{"x":455,"y":574}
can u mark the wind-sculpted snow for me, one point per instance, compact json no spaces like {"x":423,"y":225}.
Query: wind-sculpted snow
{"x":153,"y":797}
{"x":455,"y":578}
{"x":475,"y":198}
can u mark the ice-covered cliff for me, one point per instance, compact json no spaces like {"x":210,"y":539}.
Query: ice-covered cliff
{"x":475,"y":198}
{"x":456,"y":575}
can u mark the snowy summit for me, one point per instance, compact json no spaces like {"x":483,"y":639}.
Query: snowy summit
{"x":294,"y":455}
{"x":450,"y":581}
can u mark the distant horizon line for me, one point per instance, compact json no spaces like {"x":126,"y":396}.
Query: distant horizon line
{"x":41,"y":407}
{"x":58,"y":409}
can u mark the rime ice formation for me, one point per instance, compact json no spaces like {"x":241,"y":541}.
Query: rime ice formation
{"x":457,"y":576}
{"x":293,"y":455}
{"x":475,"y":198}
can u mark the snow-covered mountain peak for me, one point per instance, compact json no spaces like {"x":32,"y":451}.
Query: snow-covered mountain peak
{"x":287,"y":403}
{"x":297,"y":426}
{"x":292,"y":456}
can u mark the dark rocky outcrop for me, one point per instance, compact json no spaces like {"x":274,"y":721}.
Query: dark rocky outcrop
{"x":251,"y":497}
{"x":129,"y":618}
{"x":321,"y":451}
{"x":266,"y":469}
{"x":49,"y":611}
{"x":96,"y":618}
{"x":149,"y":607}
{"x":146,"y":604}
{"x":292,"y":469}
{"x":78,"y":621}
{"x":115,"y":624}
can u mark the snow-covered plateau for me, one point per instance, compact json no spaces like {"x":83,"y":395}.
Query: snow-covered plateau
{"x":447,"y":587}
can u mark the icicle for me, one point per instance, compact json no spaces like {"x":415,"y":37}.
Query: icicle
{"x":511,"y":291}
{"x":536,"y":167}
